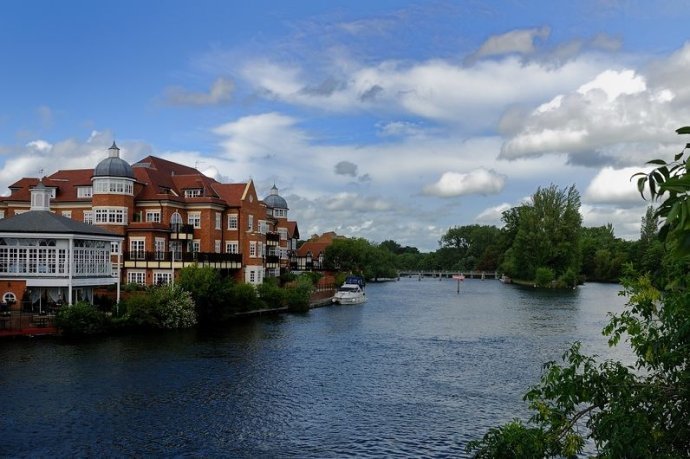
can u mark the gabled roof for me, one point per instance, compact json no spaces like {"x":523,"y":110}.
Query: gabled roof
{"x":46,"y":222}
{"x":293,"y":231}
{"x":232,"y":193}
{"x":317,"y":245}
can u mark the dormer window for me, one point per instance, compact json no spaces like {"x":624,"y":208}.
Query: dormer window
{"x":84,"y":191}
{"x":192,"y":193}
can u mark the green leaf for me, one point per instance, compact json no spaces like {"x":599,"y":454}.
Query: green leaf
{"x":660,"y":162}
{"x":683,"y":130}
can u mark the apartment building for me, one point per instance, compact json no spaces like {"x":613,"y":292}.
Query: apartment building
{"x":170,"y":216}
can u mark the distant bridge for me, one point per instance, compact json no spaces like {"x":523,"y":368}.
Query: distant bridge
{"x":450,"y":274}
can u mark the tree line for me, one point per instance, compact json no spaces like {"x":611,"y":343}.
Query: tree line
{"x":541,"y":241}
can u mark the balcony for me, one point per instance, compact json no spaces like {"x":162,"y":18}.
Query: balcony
{"x":164,"y":260}
{"x":179,"y":231}
{"x":272,"y":261}
{"x":272,"y":239}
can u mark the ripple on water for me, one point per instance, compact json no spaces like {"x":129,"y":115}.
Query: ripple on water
{"x":417,"y":371}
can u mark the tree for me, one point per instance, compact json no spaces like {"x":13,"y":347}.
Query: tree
{"x":628,"y":411}
{"x":472,"y":245}
{"x":546,"y":233}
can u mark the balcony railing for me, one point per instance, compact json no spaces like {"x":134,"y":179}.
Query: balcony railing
{"x":273,"y":237}
{"x":189,"y":257}
{"x":181,"y":231}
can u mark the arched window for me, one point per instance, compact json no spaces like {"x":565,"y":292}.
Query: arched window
{"x":9,"y":298}
{"x":176,"y":221}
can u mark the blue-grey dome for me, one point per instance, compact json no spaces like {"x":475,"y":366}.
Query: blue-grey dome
{"x":113,"y":165}
{"x":274,"y":200}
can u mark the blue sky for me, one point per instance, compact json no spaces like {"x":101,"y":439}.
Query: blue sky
{"x":385,"y":120}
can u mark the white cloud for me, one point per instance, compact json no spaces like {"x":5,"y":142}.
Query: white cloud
{"x":479,"y":181}
{"x":614,"y":186}
{"x":626,"y":221}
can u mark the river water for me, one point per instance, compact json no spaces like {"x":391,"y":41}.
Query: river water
{"x":417,"y":371}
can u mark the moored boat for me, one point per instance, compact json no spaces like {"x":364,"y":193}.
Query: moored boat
{"x":349,"y":294}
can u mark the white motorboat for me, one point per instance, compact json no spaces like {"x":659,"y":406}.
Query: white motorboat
{"x":349,"y":294}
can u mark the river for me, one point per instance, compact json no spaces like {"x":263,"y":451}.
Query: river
{"x":417,"y":371}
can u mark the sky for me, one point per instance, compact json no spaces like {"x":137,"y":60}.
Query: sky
{"x":382,"y":120}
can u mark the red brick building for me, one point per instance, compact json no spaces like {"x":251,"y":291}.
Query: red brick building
{"x":170,"y":216}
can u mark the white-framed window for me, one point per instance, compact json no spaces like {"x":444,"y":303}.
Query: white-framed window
{"x":232,"y":247}
{"x":162,"y":277}
{"x":88,"y":217}
{"x":176,"y":219}
{"x":279,"y":213}
{"x":9,"y":297}
{"x":136,"y":277}
{"x":192,"y":193}
{"x":283,"y":233}
{"x":216,"y":246}
{"x":84,"y":191}
{"x":263,"y":227}
{"x":137,"y":249}
{"x":113,"y":186}
{"x":250,"y":223}
{"x":110,"y":215}
{"x":194,"y":219}
{"x":67,"y":213}
{"x":114,"y":248}
{"x":252,"y":249}
{"x":196,"y":245}
{"x":2,"y":214}
{"x":218,"y":220}
{"x":153,"y":216}
{"x":262,"y":249}
{"x":252,"y":276}
{"x":159,"y":248}
{"x":232,"y":221}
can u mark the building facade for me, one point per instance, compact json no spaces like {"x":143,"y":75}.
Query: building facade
{"x":169,"y":216}
{"x":47,"y":259}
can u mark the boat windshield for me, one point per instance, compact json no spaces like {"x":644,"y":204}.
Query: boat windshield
{"x":348,"y":288}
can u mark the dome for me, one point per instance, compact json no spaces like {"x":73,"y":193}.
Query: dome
{"x":113,"y":165}
{"x":274,"y":200}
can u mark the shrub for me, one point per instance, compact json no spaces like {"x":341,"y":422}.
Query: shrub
{"x":270,"y":294}
{"x":81,"y":319}
{"x":298,"y":294}
{"x":243,"y":298}
{"x":543,"y":277}
{"x":166,"y":306}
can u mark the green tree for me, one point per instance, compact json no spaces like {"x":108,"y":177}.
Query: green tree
{"x":548,"y":233}
{"x":627,"y":411}
{"x":210,"y":292}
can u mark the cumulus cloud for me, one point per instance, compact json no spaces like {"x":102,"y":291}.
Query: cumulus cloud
{"x":626,"y":221}
{"x":619,"y":116}
{"x":614,"y":186}
{"x":346,"y":168}
{"x":479,"y":181}
{"x":220,"y":93}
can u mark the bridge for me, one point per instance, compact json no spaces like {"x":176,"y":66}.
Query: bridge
{"x":450,"y":274}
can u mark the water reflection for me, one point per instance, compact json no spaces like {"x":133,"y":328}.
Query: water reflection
{"x":418,"y":370}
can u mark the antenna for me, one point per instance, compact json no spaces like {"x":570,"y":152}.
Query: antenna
{"x":40,"y":172}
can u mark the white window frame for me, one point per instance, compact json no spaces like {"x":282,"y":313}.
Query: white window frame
{"x":196,"y":245}
{"x":137,"y":248}
{"x":110,"y":215}
{"x":232,"y":221}
{"x":252,"y":249}
{"x":194,"y":219}
{"x":84,"y":191}
{"x":136,"y":276}
{"x":216,"y":246}
{"x":2,"y":214}
{"x":88,"y":217}
{"x":283,"y":234}
{"x":113,"y":186}
{"x":67,"y":213}
{"x":232,"y":247}
{"x":192,"y":193}
{"x":153,"y":216}
{"x":162,"y":277}
{"x":250,"y":223}
{"x":218,"y":220}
